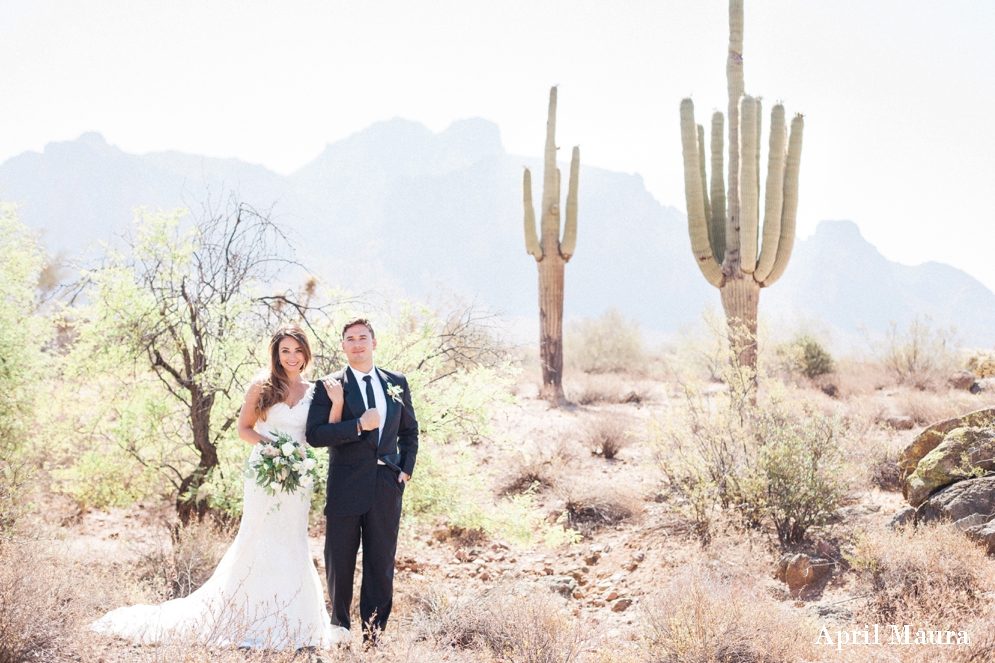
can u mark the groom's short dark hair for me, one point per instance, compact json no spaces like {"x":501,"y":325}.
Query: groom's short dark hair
{"x":352,"y":322}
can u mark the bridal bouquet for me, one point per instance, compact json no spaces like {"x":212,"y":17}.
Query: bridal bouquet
{"x":282,"y":464}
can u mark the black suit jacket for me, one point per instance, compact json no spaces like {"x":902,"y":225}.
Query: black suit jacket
{"x":352,"y":463}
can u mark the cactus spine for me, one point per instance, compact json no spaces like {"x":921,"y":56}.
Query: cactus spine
{"x":749,"y":260}
{"x":551,"y":254}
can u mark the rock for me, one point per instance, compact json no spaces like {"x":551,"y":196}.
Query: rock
{"x":800,"y":570}
{"x":959,"y":456}
{"x":930,"y":438}
{"x":621,"y":604}
{"x":831,"y":612}
{"x":592,"y":558}
{"x":612,"y":595}
{"x":578,"y":594}
{"x":985,"y":385}
{"x":830,"y":390}
{"x":903,"y":517}
{"x":563,"y":585}
{"x":638,"y":556}
{"x":983,"y":534}
{"x":901,"y":423}
{"x":630,"y":566}
{"x":960,"y":500}
{"x":974,"y":520}
{"x":961,"y":380}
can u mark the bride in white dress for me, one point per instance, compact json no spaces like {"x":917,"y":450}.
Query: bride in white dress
{"x":265,"y":591}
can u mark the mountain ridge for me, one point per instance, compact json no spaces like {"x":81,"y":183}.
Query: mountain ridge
{"x":398,"y":206}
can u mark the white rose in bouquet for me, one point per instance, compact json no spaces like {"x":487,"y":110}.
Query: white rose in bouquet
{"x":288,"y":449}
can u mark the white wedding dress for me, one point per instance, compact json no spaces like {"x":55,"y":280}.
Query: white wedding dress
{"x":266,"y":591}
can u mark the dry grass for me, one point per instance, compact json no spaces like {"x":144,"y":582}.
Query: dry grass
{"x":605,"y":434}
{"x":514,"y":624}
{"x":930,"y":576}
{"x":602,"y":389}
{"x":701,"y":617}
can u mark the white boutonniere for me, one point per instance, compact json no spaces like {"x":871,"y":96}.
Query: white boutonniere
{"x":394,"y":391}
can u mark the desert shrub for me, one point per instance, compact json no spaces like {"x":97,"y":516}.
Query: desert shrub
{"x":760,"y":461}
{"x":804,"y":355}
{"x":883,"y":471}
{"x":926,"y":407}
{"x":610,"y":343}
{"x":536,"y":467}
{"x":24,"y":334}
{"x":921,"y":356}
{"x":796,"y":481}
{"x":589,"y":508}
{"x":980,"y":362}
{"x":606,"y":434}
{"x":700,"y":617}
{"x":929,"y":575}
{"x":597,"y":389}
{"x":180,"y":562}
{"x":507,"y":622}
{"x":40,"y":602}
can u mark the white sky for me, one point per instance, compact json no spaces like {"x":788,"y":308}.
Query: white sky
{"x":898,"y":95}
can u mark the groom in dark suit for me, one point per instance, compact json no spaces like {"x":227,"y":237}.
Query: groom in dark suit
{"x":371,"y":456}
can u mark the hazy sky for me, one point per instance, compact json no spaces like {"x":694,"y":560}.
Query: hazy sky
{"x":898,"y":96}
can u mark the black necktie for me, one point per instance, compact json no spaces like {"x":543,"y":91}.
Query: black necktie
{"x":371,"y":401}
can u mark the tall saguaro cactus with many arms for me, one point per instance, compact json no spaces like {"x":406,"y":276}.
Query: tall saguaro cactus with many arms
{"x":551,"y":254}
{"x":724,"y":229}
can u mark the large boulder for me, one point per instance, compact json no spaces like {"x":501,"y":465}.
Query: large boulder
{"x":963,"y":453}
{"x":959,"y":501}
{"x":931,"y":438}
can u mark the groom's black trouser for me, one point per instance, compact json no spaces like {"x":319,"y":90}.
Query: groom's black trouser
{"x":377,"y":529}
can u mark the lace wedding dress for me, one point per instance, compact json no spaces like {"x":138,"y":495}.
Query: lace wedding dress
{"x":266,"y":591}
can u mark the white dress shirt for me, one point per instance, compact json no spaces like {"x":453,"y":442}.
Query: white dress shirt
{"x":378,"y":392}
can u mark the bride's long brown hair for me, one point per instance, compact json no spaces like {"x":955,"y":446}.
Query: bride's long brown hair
{"x":276,"y":384}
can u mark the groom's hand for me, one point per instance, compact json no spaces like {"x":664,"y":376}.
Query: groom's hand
{"x":370,"y":419}
{"x":403,"y":478}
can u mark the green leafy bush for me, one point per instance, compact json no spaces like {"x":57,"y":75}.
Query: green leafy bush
{"x":760,"y":463}
{"x":796,"y":480}
{"x":24,"y":364}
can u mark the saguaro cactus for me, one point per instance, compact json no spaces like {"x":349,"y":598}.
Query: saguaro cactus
{"x":724,"y":230}
{"x":552,"y":254}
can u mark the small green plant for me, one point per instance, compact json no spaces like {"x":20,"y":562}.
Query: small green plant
{"x":816,"y":359}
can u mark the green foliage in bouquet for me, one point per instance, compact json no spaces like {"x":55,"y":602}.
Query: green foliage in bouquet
{"x":283,"y":463}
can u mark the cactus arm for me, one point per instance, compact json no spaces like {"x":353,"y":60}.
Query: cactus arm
{"x":734,"y":82}
{"x":718,"y":197}
{"x":569,"y":242}
{"x":531,"y":240}
{"x":550,"y":220}
{"x":774,"y":198}
{"x":748,"y":202}
{"x":704,"y":187}
{"x":789,"y":210}
{"x":760,"y":122}
{"x":697,"y":224}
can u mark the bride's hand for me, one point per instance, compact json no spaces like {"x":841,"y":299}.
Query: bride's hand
{"x":334,"y":389}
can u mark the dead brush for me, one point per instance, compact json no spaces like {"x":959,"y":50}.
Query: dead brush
{"x":537,"y":467}
{"x":41,"y":602}
{"x":177,"y":566}
{"x":591,"y":508}
{"x":606,"y":435}
{"x":926,"y":575}
{"x":603,"y":389}
{"x":508,"y":622}
{"x":883,"y":471}
{"x":702,"y":617}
